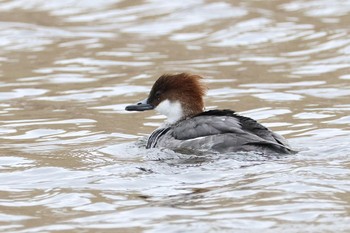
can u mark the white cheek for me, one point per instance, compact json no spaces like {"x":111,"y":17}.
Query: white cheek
{"x":172,"y":110}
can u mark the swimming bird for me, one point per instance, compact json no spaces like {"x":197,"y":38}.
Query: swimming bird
{"x":189,"y":127}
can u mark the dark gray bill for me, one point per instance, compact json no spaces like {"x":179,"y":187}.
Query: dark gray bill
{"x":140,"y":106}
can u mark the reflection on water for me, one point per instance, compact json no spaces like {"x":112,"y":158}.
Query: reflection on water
{"x":68,"y":156}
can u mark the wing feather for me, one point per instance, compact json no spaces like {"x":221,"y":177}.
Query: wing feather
{"x":218,"y":122}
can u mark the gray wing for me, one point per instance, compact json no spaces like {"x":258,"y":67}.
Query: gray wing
{"x":246,"y":131}
{"x":258,"y":129}
{"x":206,"y":126}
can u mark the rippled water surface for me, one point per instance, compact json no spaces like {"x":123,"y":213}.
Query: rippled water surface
{"x":72,"y":160}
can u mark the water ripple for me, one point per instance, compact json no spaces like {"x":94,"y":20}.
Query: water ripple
{"x":72,"y":159}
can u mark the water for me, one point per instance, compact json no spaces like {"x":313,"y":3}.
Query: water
{"x":71,"y":158}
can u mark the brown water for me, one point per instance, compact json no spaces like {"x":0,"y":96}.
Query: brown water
{"x":68,"y":157}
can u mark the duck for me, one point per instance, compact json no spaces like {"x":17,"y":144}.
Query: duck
{"x":189,"y":127}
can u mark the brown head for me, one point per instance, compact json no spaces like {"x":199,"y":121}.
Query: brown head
{"x":177,"y":96}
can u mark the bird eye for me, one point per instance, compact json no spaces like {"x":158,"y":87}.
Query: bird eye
{"x":157,"y":95}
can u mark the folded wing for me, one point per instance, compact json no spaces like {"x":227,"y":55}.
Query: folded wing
{"x":237,"y":131}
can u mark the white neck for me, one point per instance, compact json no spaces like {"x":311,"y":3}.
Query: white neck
{"x":172,"y":110}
